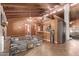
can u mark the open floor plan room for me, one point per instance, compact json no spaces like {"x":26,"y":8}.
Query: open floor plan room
{"x":39,"y":29}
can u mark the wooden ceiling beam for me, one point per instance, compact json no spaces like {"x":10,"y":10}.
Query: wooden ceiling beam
{"x":24,"y":7}
{"x":24,"y":11}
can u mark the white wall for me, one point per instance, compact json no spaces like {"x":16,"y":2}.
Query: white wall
{"x":1,"y":35}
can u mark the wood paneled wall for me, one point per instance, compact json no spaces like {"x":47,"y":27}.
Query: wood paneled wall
{"x":54,"y":28}
{"x":75,"y":23}
{"x":16,"y":27}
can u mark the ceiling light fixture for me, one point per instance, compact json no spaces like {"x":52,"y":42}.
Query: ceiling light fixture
{"x":60,"y":9}
{"x":73,"y":4}
{"x":53,"y":12}
{"x":56,"y":6}
{"x":30,"y":18}
{"x":46,"y":15}
{"x":49,"y":8}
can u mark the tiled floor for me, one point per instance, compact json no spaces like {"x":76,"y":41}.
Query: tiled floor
{"x":71,"y":48}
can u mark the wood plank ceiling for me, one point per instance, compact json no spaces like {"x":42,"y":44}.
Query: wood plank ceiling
{"x":16,"y":10}
{"x":74,"y":13}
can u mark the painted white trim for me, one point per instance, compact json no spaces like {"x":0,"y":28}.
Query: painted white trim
{"x":2,"y":44}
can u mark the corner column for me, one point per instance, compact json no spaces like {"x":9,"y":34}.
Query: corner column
{"x":66,"y":20}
